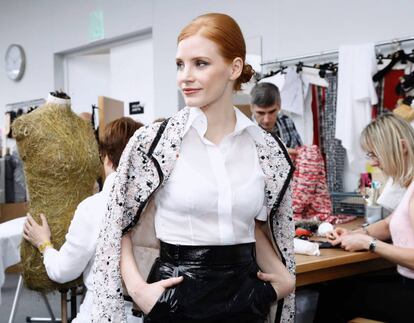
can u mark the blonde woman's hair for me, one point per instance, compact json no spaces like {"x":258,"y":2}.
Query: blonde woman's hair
{"x":384,"y":138}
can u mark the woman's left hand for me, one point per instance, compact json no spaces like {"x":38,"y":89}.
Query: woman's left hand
{"x":35,"y":233}
{"x":355,"y":242}
{"x":271,"y":278}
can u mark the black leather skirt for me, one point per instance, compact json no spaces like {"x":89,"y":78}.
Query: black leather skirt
{"x":220,"y":285}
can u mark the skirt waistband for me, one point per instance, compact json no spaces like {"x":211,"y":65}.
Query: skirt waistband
{"x":407,"y":281}
{"x":207,"y":255}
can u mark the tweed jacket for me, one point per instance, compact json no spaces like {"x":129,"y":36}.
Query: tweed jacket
{"x":145,"y":165}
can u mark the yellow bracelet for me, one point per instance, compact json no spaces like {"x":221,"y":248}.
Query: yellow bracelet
{"x":44,"y":245}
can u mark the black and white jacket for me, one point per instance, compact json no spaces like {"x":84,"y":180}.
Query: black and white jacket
{"x":145,"y":165}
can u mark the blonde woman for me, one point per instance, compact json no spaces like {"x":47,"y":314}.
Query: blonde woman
{"x":389,"y":143}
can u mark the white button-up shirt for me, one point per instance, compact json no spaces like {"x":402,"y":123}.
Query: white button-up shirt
{"x":77,"y":254}
{"x":215,"y":192}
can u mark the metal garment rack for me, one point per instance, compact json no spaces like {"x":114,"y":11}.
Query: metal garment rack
{"x":24,"y":104}
{"x":334,"y":52}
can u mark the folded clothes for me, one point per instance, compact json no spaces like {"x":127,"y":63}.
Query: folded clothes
{"x":306,"y":247}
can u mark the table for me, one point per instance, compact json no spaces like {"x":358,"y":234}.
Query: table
{"x":337,"y":263}
{"x":10,"y":237}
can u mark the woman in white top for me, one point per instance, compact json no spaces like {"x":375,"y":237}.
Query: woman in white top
{"x":389,"y":143}
{"x":215,"y":177}
{"x":77,"y":254}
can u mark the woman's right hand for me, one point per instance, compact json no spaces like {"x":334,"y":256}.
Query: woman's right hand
{"x":146,"y":295}
{"x":336,"y":235}
{"x":36,"y":233}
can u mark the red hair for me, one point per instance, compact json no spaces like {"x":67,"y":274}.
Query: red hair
{"x":224,"y":31}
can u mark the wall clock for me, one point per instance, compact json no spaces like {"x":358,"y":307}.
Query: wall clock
{"x":15,"y":62}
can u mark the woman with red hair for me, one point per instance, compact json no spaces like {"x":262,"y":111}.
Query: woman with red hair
{"x":220,"y":185}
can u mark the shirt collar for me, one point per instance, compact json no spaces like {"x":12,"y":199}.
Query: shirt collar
{"x":198,"y":120}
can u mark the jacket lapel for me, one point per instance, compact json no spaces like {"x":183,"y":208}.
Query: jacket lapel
{"x":168,"y":148}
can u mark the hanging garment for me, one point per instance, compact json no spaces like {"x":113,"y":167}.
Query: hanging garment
{"x":278,"y":80}
{"x":310,"y":197}
{"x":292,"y":92}
{"x":309,"y":190}
{"x":19,"y":179}
{"x":318,"y":104}
{"x":303,"y":122}
{"x":311,"y":76}
{"x":378,"y":108}
{"x":390,"y":96}
{"x":332,"y":148}
{"x":9,"y":178}
{"x":356,"y":95}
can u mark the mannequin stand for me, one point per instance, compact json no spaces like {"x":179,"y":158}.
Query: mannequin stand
{"x":63,"y":306}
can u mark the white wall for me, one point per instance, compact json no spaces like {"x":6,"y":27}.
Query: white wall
{"x":309,"y":26}
{"x":87,"y":77}
{"x":45,"y":27}
{"x":132,"y":77}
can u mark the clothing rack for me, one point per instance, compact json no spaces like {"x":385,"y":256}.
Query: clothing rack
{"x":24,"y":104}
{"x":329,"y":53}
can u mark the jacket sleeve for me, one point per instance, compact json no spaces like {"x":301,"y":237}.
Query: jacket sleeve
{"x":135,"y":180}
{"x":284,"y":231}
{"x":279,"y":169}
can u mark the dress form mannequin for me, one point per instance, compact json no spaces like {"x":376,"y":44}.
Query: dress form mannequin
{"x":61,"y":164}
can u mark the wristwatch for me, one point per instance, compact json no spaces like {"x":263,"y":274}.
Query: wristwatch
{"x":372,"y":245}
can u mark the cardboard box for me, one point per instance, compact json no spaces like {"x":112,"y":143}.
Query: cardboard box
{"x":10,"y":211}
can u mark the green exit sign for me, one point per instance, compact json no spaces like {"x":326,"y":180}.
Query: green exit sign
{"x":96,"y":25}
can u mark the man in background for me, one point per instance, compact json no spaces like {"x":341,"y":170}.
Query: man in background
{"x":265,"y":105}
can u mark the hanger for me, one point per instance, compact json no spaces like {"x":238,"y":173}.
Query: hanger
{"x":299,"y":67}
{"x":273,"y":72}
{"x":408,"y":101}
{"x":380,"y":57}
{"x":398,"y":56}
{"x":323,"y":68}
{"x":31,"y":109}
{"x":405,"y":85}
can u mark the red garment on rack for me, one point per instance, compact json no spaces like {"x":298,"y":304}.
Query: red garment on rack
{"x":391,"y":80}
{"x":310,"y":192}
{"x":318,"y":103}
{"x":311,"y":199}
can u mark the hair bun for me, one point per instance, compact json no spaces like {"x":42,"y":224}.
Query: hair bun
{"x":246,"y":74}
